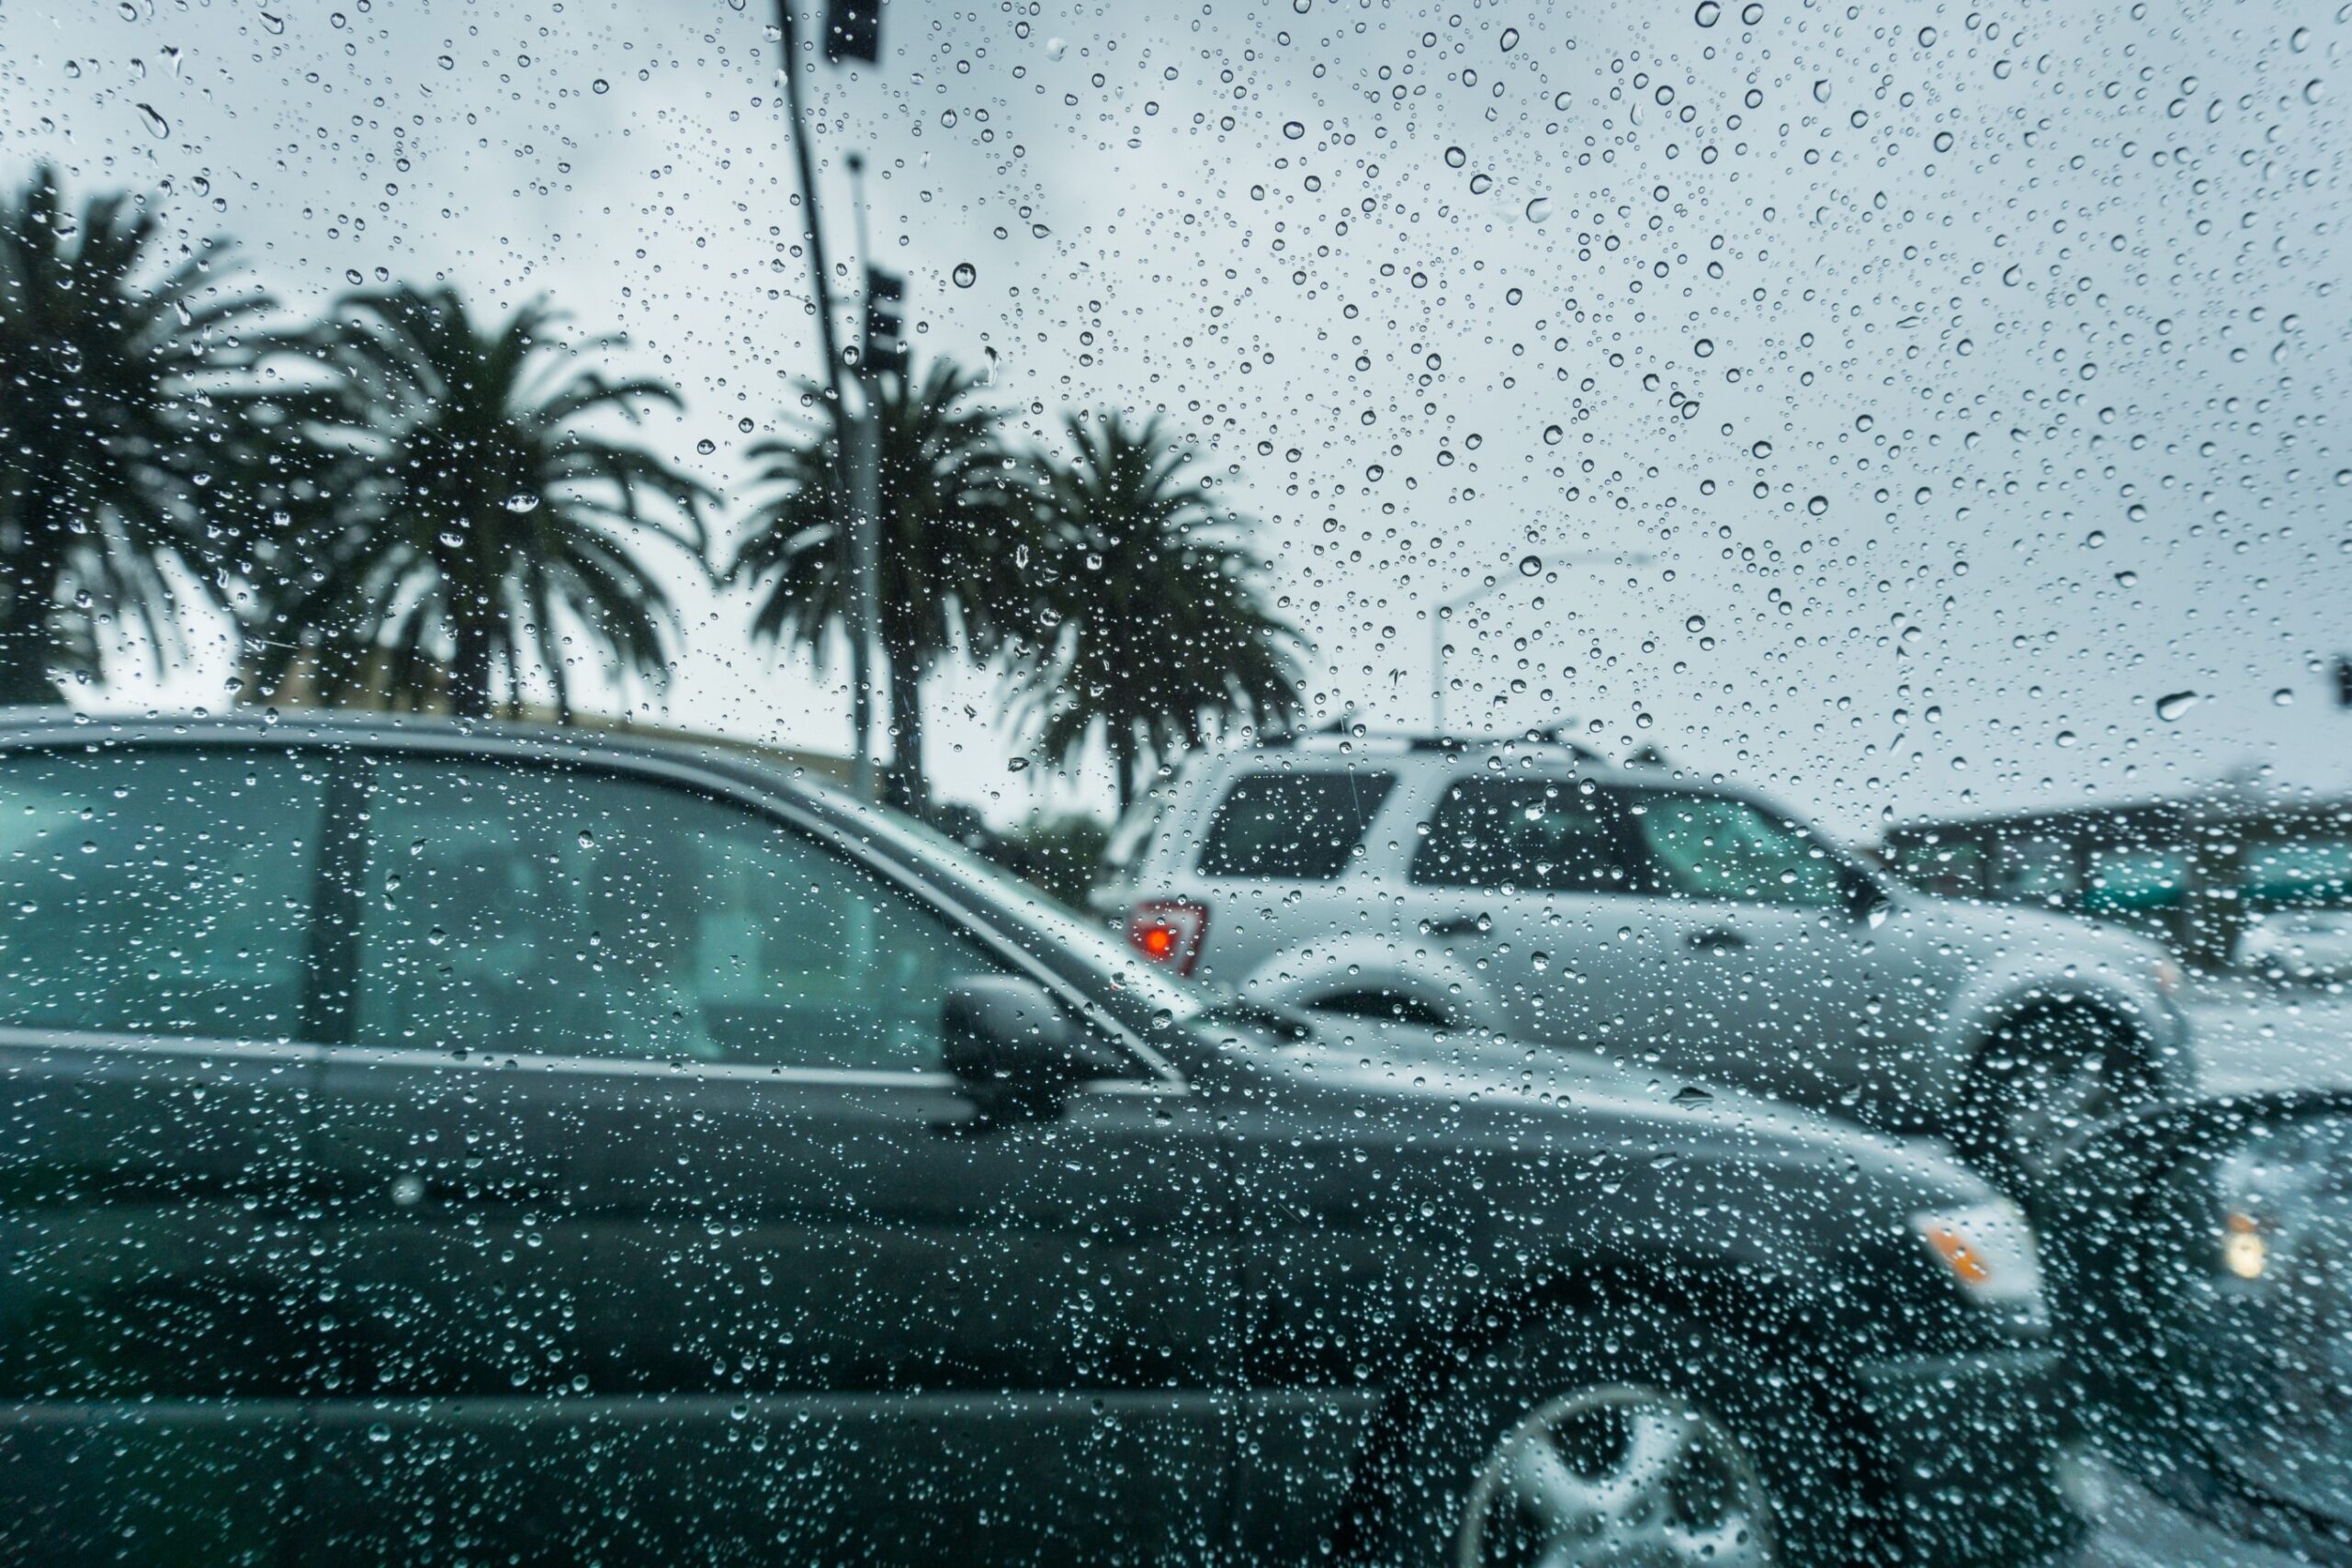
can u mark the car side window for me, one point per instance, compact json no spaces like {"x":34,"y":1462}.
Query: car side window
{"x":166,"y":891}
{"x":1533,"y":835}
{"x":1704,"y":846}
{"x":521,"y":909}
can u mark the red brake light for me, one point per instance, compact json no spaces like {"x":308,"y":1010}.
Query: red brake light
{"x":1169,"y":930}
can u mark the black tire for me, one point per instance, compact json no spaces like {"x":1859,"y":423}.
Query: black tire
{"x":2046,"y":1080}
{"x":1781,"y":1414}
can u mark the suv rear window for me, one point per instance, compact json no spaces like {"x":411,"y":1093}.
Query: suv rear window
{"x":1293,"y":827}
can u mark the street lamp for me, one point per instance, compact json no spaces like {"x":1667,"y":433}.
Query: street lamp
{"x":852,"y":32}
{"x":1446,"y":607}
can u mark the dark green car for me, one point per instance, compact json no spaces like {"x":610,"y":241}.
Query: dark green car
{"x":444,"y":1144}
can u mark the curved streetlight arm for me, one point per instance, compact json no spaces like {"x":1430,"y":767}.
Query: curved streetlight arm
{"x":1444,"y":608}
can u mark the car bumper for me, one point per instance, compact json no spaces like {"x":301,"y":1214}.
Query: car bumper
{"x":1968,"y":1450}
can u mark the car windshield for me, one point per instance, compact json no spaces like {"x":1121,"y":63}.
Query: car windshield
{"x":1060,"y":780}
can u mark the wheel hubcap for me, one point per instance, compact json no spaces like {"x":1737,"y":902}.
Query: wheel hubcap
{"x":1625,"y":1476}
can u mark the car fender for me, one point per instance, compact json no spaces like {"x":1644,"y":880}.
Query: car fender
{"x":2103,"y":982}
{"x":1304,"y":975}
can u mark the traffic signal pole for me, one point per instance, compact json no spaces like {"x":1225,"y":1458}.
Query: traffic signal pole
{"x":852,"y":422}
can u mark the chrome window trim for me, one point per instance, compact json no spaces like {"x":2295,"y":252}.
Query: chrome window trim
{"x":22,"y":1037}
{"x":183,"y":1047}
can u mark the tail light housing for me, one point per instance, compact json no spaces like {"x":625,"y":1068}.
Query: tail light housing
{"x":1168,"y":932}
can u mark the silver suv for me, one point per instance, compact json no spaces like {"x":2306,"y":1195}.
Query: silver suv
{"x":1529,"y":888}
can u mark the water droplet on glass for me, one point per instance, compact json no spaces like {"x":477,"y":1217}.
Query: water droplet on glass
{"x":522,"y":500}
{"x":2283,"y":697}
{"x":1510,"y":39}
{"x":1530,"y":566}
{"x":1821,"y":90}
{"x":706,"y":445}
{"x":275,"y":23}
{"x":1539,"y":209}
{"x":1692,"y":1094}
{"x":1817,"y":505}
{"x":1553,"y":435}
{"x":1707,"y":13}
{"x":1017,"y":765}
{"x":966,"y":274}
{"x":1703,"y":347}
{"x":1762,"y":449}
{"x":1695,"y":624}
{"x":2171,"y":705}
{"x":1481,"y":183}
{"x":1456,"y":157}
{"x":1056,"y":48}
{"x":155,"y":123}
{"x":1293,"y":129}
{"x":600,"y":86}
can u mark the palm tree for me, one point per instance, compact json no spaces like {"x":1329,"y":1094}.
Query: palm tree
{"x":127,"y":427}
{"x":953,"y":550}
{"x":463,"y":510}
{"x":1163,"y":635}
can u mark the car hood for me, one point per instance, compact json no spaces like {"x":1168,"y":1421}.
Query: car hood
{"x":1456,"y":1085}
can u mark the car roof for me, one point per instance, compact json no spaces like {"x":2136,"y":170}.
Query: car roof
{"x":48,"y":726}
{"x":1424,"y":753}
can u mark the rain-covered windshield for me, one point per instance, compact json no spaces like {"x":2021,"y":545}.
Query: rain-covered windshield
{"x":1680,"y":670}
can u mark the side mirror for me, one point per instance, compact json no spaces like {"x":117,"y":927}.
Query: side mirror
{"x":1011,"y":1046}
{"x":2201,"y":1277}
{"x":1866,"y":897}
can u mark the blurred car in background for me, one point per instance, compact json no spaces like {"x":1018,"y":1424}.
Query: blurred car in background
{"x":1532,"y":889}
{"x":2297,"y":943}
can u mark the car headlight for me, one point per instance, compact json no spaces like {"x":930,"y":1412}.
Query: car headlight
{"x":1988,"y":1250}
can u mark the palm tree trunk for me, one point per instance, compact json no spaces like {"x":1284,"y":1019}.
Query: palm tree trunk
{"x":24,"y":661}
{"x":470,"y":663}
{"x":1123,"y":769}
{"x":907,"y":788}
{"x":25,"y":640}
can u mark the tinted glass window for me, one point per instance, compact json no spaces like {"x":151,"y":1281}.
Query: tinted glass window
{"x":160,"y":892}
{"x":2317,"y":871}
{"x":1293,"y":827}
{"x":1708,"y":847}
{"x":1536,"y":835}
{"x":522,"y":911}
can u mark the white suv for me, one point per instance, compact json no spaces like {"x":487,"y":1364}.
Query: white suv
{"x":1529,"y":888}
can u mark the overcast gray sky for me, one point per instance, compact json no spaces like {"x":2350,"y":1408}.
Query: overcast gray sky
{"x":1975,"y":373}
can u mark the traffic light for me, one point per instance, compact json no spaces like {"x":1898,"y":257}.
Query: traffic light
{"x":886,"y":327}
{"x":852,"y":30}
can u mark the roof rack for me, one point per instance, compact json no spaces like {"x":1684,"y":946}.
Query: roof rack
{"x":1554,"y":735}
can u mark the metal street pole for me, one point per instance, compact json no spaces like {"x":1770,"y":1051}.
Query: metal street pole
{"x":847,"y":421}
{"x":862,"y":459}
{"x":1445,"y":608}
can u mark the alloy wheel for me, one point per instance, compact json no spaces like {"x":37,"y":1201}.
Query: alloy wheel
{"x":1626,"y":1476}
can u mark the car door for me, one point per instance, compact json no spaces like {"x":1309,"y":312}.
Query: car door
{"x":1765,"y":947}
{"x":720,"y":1252}
{"x":158,"y":1329}
{"x":1530,"y":880}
